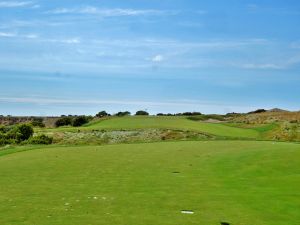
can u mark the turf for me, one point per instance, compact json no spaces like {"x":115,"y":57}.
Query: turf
{"x":142,"y":122}
{"x":240,"y":182}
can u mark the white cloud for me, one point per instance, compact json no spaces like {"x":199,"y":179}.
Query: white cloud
{"x":263,"y":66}
{"x":110,"y":12}
{"x":4,"y":34}
{"x":31,"y":36}
{"x":158,"y":58}
{"x":36,"y":6}
{"x":14,"y":35}
{"x":14,"y":4}
{"x":71,"y":41}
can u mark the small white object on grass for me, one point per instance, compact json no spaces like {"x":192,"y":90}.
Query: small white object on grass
{"x":95,"y":198}
{"x":187,"y":212}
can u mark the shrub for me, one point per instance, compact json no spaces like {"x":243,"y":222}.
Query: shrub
{"x":15,"y":134}
{"x":19,"y":133}
{"x":142,"y":113}
{"x":80,"y":120}
{"x":258,"y":111}
{"x":24,"y":132}
{"x":102,"y":114}
{"x":37,"y":122}
{"x":63,"y":121}
{"x":126,"y":113}
{"x":41,"y":140}
{"x":191,"y":114}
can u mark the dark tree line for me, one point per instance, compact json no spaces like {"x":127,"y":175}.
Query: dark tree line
{"x":75,"y":121}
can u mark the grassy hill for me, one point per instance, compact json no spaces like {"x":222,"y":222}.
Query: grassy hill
{"x":241,"y":182}
{"x":146,"y":122}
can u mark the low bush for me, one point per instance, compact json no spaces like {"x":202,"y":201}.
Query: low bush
{"x":41,"y":140}
{"x":37,"y":122}
{"x":15,"y":134}
{"x":64,"y":121}
{"x":80,"y":120}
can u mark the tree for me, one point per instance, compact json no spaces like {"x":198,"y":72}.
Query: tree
{"x":191,"y":114}
{"x":80,"y":120}
{"x":258,"y":111}
{"x":126,"y":113}
{"x":102,"y":114}
{"x":141,"y":113}
{"x":63,"y":121}
{"x":26,"y":131}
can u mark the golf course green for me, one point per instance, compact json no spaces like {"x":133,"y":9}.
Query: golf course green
{"x":239,"y":182}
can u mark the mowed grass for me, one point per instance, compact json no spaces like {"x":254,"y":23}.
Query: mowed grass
{"x":145,"y":122}
{"x":240,"y":182}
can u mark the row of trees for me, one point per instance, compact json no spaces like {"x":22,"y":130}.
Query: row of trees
{"x":145,"y":113}
{"x":120,"y":114}
{"x":180,"y":114}
{"x":75,"y":121}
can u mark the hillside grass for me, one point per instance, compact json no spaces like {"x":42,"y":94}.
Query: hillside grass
{"x":240,"y":182}
{"x":148,"y":122}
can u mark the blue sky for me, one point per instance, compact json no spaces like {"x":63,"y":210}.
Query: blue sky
{"x":80,"y":57}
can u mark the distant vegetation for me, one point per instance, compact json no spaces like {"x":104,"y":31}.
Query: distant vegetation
{"x":126,"y":113}
{"x":105,"y":127}
{"x":142,"y":113}
{"x":38,"y":122}
{"x":180,"y":114}
{"x":258,"y":111}
{"x":75,"y":121}
{"x":102,"y":114}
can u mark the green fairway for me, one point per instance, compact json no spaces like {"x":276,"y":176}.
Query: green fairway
{"x":241,"y":182}
{"x":174,"y":123}
{"x":147,"y":122}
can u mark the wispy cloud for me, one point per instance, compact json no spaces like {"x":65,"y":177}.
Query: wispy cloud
{"x":40,"y":23}
{"x":40,"y":100}
{"x":105,"y":12}
{"x":136,"y":103}
{"x":7,"y":35}
{"x":14,"y":4}
{"x":64,"y":41}
{"x":262,"y":66}
{"x":256,"y":8}
{"x":158,"y":58}
{"x":16,"y":35}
